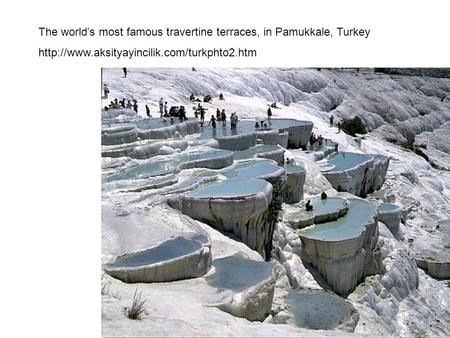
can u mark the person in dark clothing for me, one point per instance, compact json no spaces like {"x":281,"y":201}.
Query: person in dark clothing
{"x":212,"y":122}
{"x":135,"y":106}
{"x":331,"y":120}
{"x":339,"y":125}
{"x":105,"y":91}
{"x":256,"y":125}
{"x":147,"y":111}
{"x":308,"y":206}
{"x":218,"y":114}
{"x":223,"y":117}
{"x":192,"y":97}
{"x":221,"y":97}
{"x":269,"y":113}
{"x":125,"y":72}
{"x":202,"y":115}
{"x":323,"y":195}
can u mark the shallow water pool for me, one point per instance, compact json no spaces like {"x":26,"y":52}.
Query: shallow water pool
{"x":237,"y":273}
{"x":168,"y":250}
{"x":359,"y":213}
{"x":253,"y":169}
{"x":249,"y":153}
{"x":231,"y":187}
{"x":317,"y":309}
{"x":387,"y":207}
{"x":344,"y":161}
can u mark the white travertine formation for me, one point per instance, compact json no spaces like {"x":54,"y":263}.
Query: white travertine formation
{"x":296,"y":176}
{"x":342,"y":250}
{"x":184,"y":128}
{"x":154,"y":149}
{"x":119,"y":135}
{"x":237,"y":142}
{"x":365,"y":177}
{"x":435,"y":263}
{"x":391,"y":215}
{"x":250,"y":290}
{"x":240,"y":212}
{"x":163,"y":263}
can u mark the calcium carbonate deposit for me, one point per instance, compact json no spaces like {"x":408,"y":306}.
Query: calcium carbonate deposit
{"x":240,"y":202}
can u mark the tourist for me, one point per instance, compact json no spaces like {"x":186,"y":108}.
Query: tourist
{"x":165,"y":107}
{"x":323,"y":195}
{"x":192,"y":97}
{"x":221,"y":97}
{"x":223,"y":117}
{"x":207,"y":99}
{"x":336,"y":148}
{"x":269,"y":113}
{"x":182,"y":113}
{"x":308,"y":206}
{"x":122,"y":103}
{"x":212,"y":122}
{"x":256,"y":125}
{"x":339,"y":125}
{"x":265,"y":125}
{"x":129,"y":105}
{"x":125,"y":72}
{"x":331,"y":120}
{"x":274,"y":105}
{"x":288,"y":161}
{"x":202,"y":115}
{"x":147,"y":111}
{"x":218,"y":114}
{"x":320,"y":140}
{"x":105,"y":91}
{"x":161,"y":106}
{"x":135,"y":106}
{"x":116,"y":103}
{"x":194,"y":69}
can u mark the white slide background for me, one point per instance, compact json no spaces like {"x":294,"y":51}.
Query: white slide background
{"x":50,"y":135}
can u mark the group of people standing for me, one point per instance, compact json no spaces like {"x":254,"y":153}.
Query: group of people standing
{"x":315,"y":140}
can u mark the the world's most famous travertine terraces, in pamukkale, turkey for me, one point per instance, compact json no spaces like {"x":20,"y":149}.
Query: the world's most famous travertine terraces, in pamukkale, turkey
{"x":275,"y":202}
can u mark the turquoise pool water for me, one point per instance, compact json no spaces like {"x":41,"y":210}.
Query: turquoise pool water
{"x":156,"y":122}
{"x":328,"y":206}
{"x":168,"y":250}
{"x":237,"y":274}
{"x":246,"y":126}
{"x":359,"y":213}
{"x":249,"y":153}
{"x":148,"y":169}
{"x":317,"y":309}
{"x":231,"y":187}
{"x":344,"y":161}
{"x":293,"y":168}
{"x":386,"y":207}
{"x":253,"y":169}
{"x":162,"y":167}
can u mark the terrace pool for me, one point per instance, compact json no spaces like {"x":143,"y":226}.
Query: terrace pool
{"x":231,"y":187}
{"x":328,"y":206}
{"x":318,"y":309}
{"x":253,"y":169}
{"x":156,"y":122}
{"x":359,"y":213}
{"x":163,"y":167}
{"x":168,"y":250}
{"x":387,"y":207}
{"x":249,"y":153}
{"x":344,"y":161}
{"x":236,"y":273}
